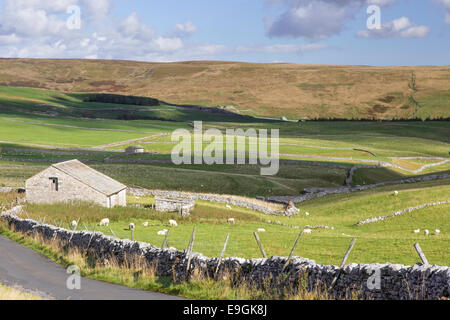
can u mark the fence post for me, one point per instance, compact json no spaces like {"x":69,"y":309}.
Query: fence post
{"x":222,"y":254}
{"x":189,"y":251}
{"x":343,"y":263}
{"x":93,"y":234}
{"x":260,"y":244}
{"x":293,"y":251}
{"x":166,"y":240}
{"x":112,"y":232}
{"x":421,"y":254}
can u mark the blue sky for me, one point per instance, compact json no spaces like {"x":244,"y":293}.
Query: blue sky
{"x":298,"y":31}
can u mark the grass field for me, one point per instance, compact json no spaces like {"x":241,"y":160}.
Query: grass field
{"x":7,"y":293}
{"x":391,"y":240}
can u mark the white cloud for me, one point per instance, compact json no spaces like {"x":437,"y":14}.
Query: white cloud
{"x":446,"y":5}
{"x":316,"y":20}
{"x":399,"y":28}
{"x":184,"y":30}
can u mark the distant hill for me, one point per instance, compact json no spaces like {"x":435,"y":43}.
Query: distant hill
{"x":267,"y":90}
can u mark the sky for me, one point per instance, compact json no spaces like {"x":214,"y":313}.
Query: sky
{"x":350,"y":32}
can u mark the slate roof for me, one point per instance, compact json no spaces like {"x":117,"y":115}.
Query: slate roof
{"x":90,"y":177}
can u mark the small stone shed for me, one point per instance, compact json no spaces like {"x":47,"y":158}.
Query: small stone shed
{"x":75,"y":181}
{"x":135,"y":150}
{"x":182,"y":206}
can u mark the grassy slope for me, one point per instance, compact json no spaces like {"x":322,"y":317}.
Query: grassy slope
{"x":13,"y":294}
{"x":391,"y":240}
{"x":265,"y":89}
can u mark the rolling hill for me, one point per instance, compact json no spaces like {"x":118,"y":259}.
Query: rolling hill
{"x":267,"y":90}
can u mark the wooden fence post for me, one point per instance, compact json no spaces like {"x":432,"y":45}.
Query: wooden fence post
{"x":112,"y":232}
{"x":260,"y":244}
{"x":166,"y":240}
{"x":421,"y":254}
{"x":189,"y":251}
{"x":343,"y":263}
{"x":93,"y":234}
{"x":293,"y":251}
{"x":222,"y":254}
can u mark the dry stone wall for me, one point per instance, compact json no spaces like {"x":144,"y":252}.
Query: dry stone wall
{"x":211,"y":198}
{"x":374,"y":281}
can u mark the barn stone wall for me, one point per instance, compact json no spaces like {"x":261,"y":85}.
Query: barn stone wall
{"x":39,"y":189}
{"x":374,"y":281}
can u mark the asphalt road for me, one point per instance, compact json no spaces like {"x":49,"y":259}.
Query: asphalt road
{"x":23,"y":268}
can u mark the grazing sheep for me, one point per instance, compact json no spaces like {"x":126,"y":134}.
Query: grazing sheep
{"x":261,"y":230}
{"x":232,"y":220}
{"x":396,"y":193}
{"x":173,"y":223}
{"x":437,"y":232}
{"x":145,"y":224}
{"x":229,"y":207}
{"x":427,"y":232}
{"x":104,"y":222}
{"x":307,"y":231}
{"x":132,"y":226}
{"x":73,"y":224}
{"x":307,"y":214}
{"x":162,"y":232}
{"x":417,"y":231}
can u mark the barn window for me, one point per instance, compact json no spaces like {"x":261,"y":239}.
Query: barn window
{"x":55,"y":184}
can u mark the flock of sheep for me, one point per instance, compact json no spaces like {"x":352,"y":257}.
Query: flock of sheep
{"x":172,"y":223}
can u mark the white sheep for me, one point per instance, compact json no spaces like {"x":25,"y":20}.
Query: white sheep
{"x":417,"y":231}
{"x":162,"y":232}
{"x":173,"y":223}
{"x":437,"y":232}
{"x":131,"y":226}
{"x":74,"y":224}
{"x":307,"y":231}
{"x":104,"y":222}
{"x":307,"y":214}
{"x":427,"y":232}
{"x":396,"y":193}
{"x":229,"y":207}
{"x":261,"y":230}
{"x":232,"y":220}
{"x":145,"y":224}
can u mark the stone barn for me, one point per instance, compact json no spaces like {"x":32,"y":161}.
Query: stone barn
{"x":135,"y":150}
{"x":75,"y":181}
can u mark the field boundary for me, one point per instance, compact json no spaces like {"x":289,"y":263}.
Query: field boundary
{"x":396,"y":281}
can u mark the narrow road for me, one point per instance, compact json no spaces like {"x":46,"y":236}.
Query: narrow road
{"x":24,"y":268}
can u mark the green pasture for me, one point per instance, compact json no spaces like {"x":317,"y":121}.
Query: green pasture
{"x":388,"y":241}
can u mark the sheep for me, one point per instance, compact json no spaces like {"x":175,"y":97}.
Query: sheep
{"x":229,"y":207}
{"x":162,"y":232}
{"x":173,"y":223}
{"x":104,"y":222}
{"x":74,"y":224}
{"x":232,"y":220}
{"x":307,"y":231}
{"x":261,"y":230}
{"x":437,"y":232}
{"x":145,"y":224}
{"x":131,"y":226}
{"x":427,"y":232}
{"x":396,"y":193}
{"x":307,"y":214}
{"x":417,"y":231}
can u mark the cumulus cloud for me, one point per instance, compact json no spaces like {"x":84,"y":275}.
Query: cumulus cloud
{"x":38,"y":29}
{"x":315,"y":20}
{"x":399,"y":28}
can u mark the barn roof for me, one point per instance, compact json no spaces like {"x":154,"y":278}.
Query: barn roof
{"x":90,"y":177}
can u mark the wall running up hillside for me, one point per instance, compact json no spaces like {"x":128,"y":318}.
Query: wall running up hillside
{"x":395,"y":281}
